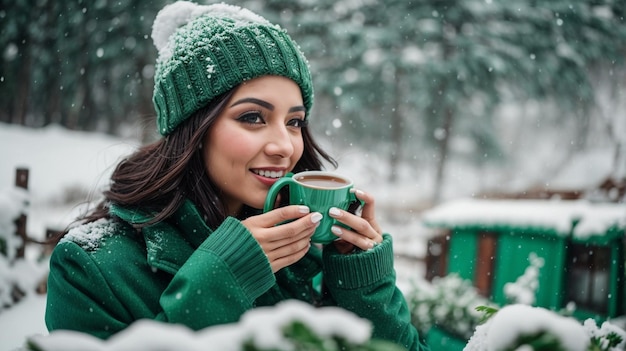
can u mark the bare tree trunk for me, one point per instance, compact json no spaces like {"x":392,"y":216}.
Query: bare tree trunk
{"x":608,"y":107}
{"x":21,"y":181}
{"x":23,"y":87}
{"x":396,"y":132}
{"x":52,"y":111}
{"x":146,"y":110}
{"x":444,"y":146}
{"x":443,"y":106}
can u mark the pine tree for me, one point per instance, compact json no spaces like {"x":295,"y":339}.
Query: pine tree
{"x":532,"y":49}
{"x":77,"y":63}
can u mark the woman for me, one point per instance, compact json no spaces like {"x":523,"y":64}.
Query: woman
{"x":179,"y":236}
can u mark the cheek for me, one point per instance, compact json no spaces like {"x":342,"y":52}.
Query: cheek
{"x":225,"y":147}
{"x":298,"y":148}
{"x":239,"y":146}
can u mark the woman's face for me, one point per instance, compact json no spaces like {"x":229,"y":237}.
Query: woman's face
{"x":255,"y":140}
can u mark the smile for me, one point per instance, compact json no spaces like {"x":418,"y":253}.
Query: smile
{"x":268,"y":174}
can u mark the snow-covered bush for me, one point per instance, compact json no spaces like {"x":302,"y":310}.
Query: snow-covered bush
{"x":523,"y":327}
{"x":448,"y":303}
{"x":289,"y":326}
{"x":18,"y":276}
{"x":13,"y":203}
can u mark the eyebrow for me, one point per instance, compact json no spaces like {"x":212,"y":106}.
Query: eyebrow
{"x":265,"y":104}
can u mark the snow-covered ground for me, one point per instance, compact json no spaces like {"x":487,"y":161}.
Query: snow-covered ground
{"x":67,"y":166}
{"x":22,"y":319}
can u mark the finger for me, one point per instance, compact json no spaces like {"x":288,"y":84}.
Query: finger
{"x":358,"y":224}
{"x":368,"y":211}
{"x":368,"y":202}
{"x":288,"y":255}
{"x":354,"y":238}
{"x":291,"y":249}
{"x":284,"y":234}
{"x":280,"y":215}
{"x":300,"y":229}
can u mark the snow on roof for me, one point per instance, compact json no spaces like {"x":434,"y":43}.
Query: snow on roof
{"x":593,"y":218}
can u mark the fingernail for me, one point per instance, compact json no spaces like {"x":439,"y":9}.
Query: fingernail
{"x":334,"y":211}
{"x":336,"y":230}
{"x":316,"y":217}
{"x":356,"y":191}
{"x":304,"y":209}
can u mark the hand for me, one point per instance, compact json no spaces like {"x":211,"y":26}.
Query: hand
{"x":287,"y":243}
{"x":365,"y":233}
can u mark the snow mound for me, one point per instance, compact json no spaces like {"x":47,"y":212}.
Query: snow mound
{"x":262,"y":326}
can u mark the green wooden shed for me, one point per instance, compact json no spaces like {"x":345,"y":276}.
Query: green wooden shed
{"x":580,"y":243}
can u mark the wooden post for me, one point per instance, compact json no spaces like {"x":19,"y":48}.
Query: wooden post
{"x":21,"y":181}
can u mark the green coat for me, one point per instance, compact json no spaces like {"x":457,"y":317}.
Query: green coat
{"x":105,"y":275}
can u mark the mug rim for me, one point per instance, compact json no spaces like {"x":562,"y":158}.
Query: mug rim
{"x":326,"y":173}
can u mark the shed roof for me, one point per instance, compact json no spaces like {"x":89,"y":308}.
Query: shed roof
{"x":579,"y":218}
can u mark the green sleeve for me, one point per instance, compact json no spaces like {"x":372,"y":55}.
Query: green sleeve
{"x":79,"y":297}
{"x":365,"y":283}
{"x":220,"y":281}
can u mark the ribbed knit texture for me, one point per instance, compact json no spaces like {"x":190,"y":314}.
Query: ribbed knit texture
{"x":358,"y":270}
{"x":214,"y":53}
{"x":242,"y":253}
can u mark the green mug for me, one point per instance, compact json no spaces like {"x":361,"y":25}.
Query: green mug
{"x":319,"y":190}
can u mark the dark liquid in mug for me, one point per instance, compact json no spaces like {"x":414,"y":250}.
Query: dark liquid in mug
{"x":321,"y":181}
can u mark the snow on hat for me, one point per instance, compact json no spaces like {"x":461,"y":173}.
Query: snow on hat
{"x":206,"y":50}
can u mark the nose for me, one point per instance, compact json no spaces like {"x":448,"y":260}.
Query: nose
{"x":280,"y":142}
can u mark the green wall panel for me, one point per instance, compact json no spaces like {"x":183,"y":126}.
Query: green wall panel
{"x":462,"y":259}
{"x":512,"y":255}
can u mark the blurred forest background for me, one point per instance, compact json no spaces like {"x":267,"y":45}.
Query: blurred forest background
{"x":420,"y":82}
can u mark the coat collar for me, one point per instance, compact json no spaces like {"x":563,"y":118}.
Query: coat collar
{"x":169,"y":243}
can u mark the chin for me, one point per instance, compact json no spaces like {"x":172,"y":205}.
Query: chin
{"x":256,"y":204}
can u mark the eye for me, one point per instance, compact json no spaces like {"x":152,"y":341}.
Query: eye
{"x":252,"y":117}
{"x":298,"y":122}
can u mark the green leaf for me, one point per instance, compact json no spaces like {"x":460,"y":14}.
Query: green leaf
{"x":488,"y":312}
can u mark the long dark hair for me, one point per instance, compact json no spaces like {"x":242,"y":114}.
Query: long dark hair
{"x":158,"y":177}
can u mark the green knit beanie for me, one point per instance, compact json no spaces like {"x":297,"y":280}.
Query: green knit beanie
{"x":206,"y":50}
